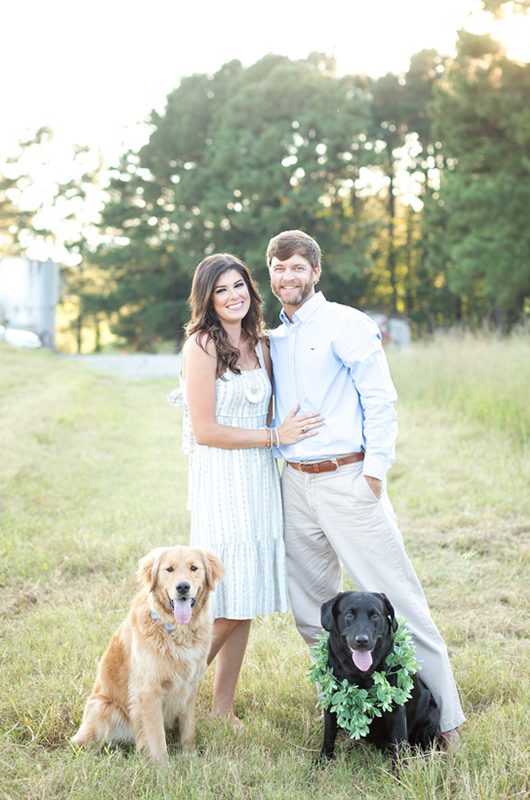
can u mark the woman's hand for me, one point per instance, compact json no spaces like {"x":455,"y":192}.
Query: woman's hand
{"x":294,"y":428}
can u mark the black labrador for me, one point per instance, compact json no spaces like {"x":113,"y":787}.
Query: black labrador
{"x":361,"y":626}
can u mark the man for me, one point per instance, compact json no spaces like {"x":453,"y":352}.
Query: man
{"x":328,"y":358}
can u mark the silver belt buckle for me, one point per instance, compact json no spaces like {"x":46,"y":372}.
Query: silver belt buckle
{"x":322,"y":461}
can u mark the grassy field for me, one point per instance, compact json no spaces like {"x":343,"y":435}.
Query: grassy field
{"x":92,"y":478}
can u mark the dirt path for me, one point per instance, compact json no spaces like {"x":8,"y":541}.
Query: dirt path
{"x":136,"y":365}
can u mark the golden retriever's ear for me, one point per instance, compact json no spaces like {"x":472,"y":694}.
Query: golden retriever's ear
{"x":214,"y":569}
{"x":148,"y":569}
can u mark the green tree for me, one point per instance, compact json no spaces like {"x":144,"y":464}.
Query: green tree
{"x":75,"y":202}
{"x":44,"y":214}
{"x":235,"y":158}
{"x":482,"y":114}
{"x":497,"y":7}
{"x":405,"y":149}
{"x":18,"y":212}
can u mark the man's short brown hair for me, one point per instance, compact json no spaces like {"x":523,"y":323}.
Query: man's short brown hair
{"x":286,"y":244}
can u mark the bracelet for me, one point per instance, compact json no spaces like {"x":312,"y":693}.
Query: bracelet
{"x":276,"y":437}
{"x":268,"y":443}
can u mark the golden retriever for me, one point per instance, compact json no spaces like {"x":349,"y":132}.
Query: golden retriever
{"x":148,"y":677}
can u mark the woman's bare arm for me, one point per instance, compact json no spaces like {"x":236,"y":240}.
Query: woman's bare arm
{"x":199,"y":372}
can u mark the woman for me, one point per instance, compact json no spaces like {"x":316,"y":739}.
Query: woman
{"x":234,"y":490}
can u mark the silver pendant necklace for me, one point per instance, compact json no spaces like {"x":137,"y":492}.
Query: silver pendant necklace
{"x":253,"y":394}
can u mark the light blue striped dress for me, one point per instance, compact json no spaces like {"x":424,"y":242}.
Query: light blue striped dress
{"x":235,"y":502}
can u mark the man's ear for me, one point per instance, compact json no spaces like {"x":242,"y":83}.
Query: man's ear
{"x":327,"y":612}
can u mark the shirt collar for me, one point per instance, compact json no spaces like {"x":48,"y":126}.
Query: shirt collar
{"x":305,"y":310}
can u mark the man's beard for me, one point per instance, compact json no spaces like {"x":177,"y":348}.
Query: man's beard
{"x":297,"y":299}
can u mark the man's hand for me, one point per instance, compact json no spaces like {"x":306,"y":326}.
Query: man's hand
{"x":375,"y":485}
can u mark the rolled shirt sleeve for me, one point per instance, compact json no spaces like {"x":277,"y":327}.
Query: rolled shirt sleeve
{"x":360,"y":349}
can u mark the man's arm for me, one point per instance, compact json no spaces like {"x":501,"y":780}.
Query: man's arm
{"x":361,"y":350}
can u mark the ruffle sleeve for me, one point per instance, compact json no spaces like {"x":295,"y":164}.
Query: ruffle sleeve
{"x":177,"y":399}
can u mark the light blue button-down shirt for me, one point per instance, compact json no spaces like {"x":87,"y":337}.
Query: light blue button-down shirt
{"x":330,"y":360}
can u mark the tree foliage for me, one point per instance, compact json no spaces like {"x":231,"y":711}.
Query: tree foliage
{"x":416,"y":187}
{"x":235,"y":158}
{"x":243,"y":154}
{"x":497,"y":7}
{"x":18,"y":224}
{"x":480,"y":228}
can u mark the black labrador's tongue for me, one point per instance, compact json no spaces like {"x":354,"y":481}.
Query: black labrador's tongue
{"x":182,"y":611}
{"x":362,"y":659}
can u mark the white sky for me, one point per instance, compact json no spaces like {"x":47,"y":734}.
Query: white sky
{"x":92,"y":71}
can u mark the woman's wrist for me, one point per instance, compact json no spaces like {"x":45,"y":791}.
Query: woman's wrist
{"x":272,"y":438}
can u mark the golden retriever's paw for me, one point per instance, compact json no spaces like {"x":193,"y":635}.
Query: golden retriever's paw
{"x":189,"y":753}
{"x":156,"y":760}
{"x":78,"y":740}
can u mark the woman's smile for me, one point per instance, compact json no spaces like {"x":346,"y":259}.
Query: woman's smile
{"x":231,"y":298}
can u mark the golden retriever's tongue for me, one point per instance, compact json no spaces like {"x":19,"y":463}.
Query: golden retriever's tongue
{"x":182,"y":611}
{"x":362,"y":659}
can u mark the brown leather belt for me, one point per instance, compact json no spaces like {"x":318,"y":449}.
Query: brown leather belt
{"x":329,"y":465}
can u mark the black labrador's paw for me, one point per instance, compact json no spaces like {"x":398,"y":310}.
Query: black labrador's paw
{"x":321,"y":762}
{"x":399,"y":761}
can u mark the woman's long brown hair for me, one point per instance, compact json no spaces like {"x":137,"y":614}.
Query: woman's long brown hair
{"x":205,"y":322}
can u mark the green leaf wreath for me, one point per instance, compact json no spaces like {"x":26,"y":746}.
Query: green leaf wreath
{"x":355,"y":707}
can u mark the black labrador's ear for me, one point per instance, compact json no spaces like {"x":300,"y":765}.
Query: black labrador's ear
{"x":389,"y":608}
{"x":327,"y":617}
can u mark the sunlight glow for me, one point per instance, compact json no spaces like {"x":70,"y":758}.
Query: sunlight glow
{"x":513,"y":32}
{"x":108,"y":113}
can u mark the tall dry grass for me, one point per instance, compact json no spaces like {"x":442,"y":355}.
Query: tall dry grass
{"x":481,"y":378}
{"x":91,"y":478}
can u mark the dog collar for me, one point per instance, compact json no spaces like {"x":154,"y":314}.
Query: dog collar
{"x":355,"y":707}
{"x":167,"y":626}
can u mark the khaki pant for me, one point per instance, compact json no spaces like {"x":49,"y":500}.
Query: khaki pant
{"x":334,"y":517}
